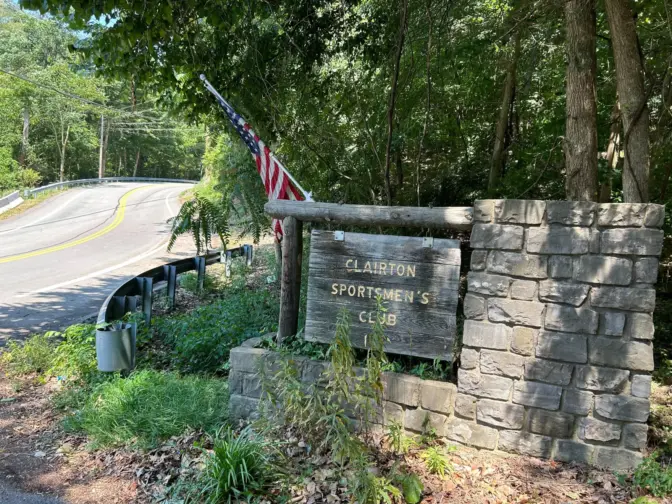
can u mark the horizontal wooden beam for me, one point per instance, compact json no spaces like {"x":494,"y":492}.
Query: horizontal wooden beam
{"x":367,"y":215}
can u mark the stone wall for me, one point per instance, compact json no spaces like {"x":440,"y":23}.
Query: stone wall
{"x":557,"y":342}
{"x":557,"y":348}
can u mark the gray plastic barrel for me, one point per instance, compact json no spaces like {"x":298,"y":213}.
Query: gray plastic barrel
{"x":115,"y":348}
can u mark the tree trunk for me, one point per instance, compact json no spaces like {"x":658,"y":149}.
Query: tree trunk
{"x":101,"y":154}
{"x":105,"y":144}
{"x":611,"y":155}
{"x":64,"y":146}
{"x":393,"y":98}
{"x":498,"y":152}
{"x":23,"y":156}
{"x":428,"y":68}
{"x":137,"y":163}
{"x":632,"y":95}
{"x":581,"y":109}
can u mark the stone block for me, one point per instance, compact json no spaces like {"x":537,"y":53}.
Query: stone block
{"x":570,"y":213}
{"x":612,"y":324}
{"x":500,"y":414}
{"x":573,"y":451}
{"x":497,"y":236}
{"x":501,"y":363}
{"x":469,"y":358}
{"x":601,"y":379}
{"x":484,"y":210}
{"x":623,"y":298}
{"x":313,"y":371}
{"x":474,"y":307}
{"x":524,"y":289}
{"x":635,"y":436}
{"x":488,"y":386}
{"x":510,"y":211}
{"x":550,"y":423}
{"x":577,"y":402}
{"x":236,"y":382}
{"x":558,"y":240}
{"x":538,"y":395}
{"x":645,"y":242}
{"x":592,"y":429}
{"x":251,"y":385}
{"x":655,"y":216}
{"x":556,"y":373}
{"x":393,"y":412}
{"x":562,"y":346}
{"x":486,"y":335}
{"x":594,"y":246}
{"x":603,"y":270}
{"x":491,"y":285}
{"x":522,"y":340}
{"x":615,"y":352}
{"x":560,"y":266}
{"x":437,"y":396}
{"x":517,"y":264}
{"x":414,"y":419}
{"x":640,"y":326}
{"x":641,"y":386}
{"x":621,"y":214}
{"x":472,"y":434}
{"x":525,"y":443}
{"x":616,"y":459}
{"x":646,"y":270}
{"x":570,"y":319}
{"x":479,"y":259}
{"x":621,"y":407}
{"x":247,"y":360}
{"x":401,"y":389}
{"x":465,"y":406}
{"x":525,"y":313}
{"x":243,"y":408}
{"x":552,"y":291}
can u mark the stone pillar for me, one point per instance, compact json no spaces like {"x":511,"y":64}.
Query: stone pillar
{"x":557,"y":348}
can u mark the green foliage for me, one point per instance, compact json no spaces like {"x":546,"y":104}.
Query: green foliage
{"x":411,"y":487}
{"x":662,"y":318}
{"x":397,"y":439}
{"x":200,"y":341}
{"x":651,"y":476}
{"x":237,"y":466}
{"x":367,"y":488}
{"x":35,"y":355}
{"x":149,"y":407}
{"x":75,"y":355}
{"x":436,"y":462}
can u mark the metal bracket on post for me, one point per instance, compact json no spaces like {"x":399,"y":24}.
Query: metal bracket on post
{"x":170,"y":274}
{"x":199,"y":263}
{"x":227,"y":264}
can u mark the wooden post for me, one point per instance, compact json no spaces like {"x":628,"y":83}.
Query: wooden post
{"x":290,"y":287}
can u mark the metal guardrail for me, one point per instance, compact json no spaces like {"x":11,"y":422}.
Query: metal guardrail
{"x":137,"y":292}
{"x":6,"y":200}
{"x":67,"y":183}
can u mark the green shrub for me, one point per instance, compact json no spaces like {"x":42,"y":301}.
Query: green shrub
{"x":150,"y":406}
{"x":75,"y":356}
{"x":202,"y":339}
{"x":436,"y":462}
{"x":237,"y":466}
{"x":653,"y":477}
{"x":35,"y":355}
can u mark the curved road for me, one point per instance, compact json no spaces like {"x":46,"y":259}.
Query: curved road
{"x":59,"y":260}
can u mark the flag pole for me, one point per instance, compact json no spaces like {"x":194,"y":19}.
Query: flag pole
{"x":306,"y":194}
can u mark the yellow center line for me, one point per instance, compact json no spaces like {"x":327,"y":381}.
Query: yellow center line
{"x":119,"y":217}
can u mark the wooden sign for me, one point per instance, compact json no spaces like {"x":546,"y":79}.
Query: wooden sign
{"x":417,"y":278}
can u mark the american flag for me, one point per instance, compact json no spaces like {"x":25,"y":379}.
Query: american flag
{"x":277,"y":182}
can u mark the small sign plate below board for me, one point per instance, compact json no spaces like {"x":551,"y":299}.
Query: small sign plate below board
{"x":418,"y":284}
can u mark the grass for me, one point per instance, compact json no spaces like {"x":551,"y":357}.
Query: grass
{"x":35,"y":355}
{"x":149,"y":407}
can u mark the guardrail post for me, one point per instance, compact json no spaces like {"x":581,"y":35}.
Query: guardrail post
{"x":130,"y":304}
{"x":290,"y":287}
{"x":146,"y":286}
{"x":199,"y":264}
{"x":227,"y":263}
{"x":248,"y":251}
{"x":170,"y":274}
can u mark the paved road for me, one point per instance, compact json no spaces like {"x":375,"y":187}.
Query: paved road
{"x":60,"y":259}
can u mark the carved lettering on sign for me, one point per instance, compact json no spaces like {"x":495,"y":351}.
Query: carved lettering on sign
{"x":418,"y":286}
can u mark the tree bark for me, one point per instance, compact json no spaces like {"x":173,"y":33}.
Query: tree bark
{"x":497,"y":164}
{"x":137,"y":163}
{"x":23,"y":156}
{"x":632,"y":95}
{"x":63,"y":147}
{"x":101,"y":154}
{"x":612,"y":154}
{"x":581,"y":109}
{"x":428,"y":68}
{"x":393,"y":98}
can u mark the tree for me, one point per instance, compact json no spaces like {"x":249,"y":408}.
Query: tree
{"x":633,"y":99}
{"x":581,"y":128}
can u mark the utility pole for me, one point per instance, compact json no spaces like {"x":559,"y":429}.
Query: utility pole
{"x":101,"y":158}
